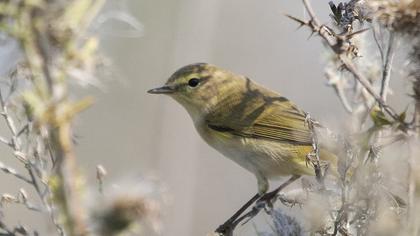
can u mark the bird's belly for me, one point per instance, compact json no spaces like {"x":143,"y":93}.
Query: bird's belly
{"x":257,"y":156}
{"x":257,"y":162}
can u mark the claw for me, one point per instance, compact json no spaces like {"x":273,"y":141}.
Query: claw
{"x":267,"y":201}
{"x":224,"y":230}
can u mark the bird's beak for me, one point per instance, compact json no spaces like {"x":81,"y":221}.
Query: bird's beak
{"x":162,"y":90}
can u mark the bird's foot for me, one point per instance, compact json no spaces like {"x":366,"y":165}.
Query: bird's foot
{"x":226,"y":229}
{"x":267,"y":201}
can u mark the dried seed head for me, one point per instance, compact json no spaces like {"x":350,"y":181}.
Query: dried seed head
{"x":100,"y":172}
{"x":8,"y":198}
{"x":128,"y":206}
{"x":23,"y":196}
{"x":400,"y":16}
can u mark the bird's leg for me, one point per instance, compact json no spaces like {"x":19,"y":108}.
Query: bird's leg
{"x":268,"y":197}
{"x":227,"y":228}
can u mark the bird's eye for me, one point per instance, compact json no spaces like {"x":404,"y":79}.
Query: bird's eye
{"x":193,"y":82}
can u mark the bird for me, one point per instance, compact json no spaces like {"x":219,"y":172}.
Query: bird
{"x":257,"y":128}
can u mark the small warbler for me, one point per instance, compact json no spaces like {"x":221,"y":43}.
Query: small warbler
{"x":255,"y":127}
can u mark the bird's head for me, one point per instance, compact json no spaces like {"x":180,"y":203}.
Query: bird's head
{"x":199,"y":87}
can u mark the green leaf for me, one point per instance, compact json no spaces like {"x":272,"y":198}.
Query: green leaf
{"x":378,"y":117}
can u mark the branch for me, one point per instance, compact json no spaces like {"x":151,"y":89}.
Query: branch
{"x":337,"y":44}
{"x":365,"y":83}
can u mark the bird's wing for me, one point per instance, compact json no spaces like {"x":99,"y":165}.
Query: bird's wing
{"x":279,"y":121}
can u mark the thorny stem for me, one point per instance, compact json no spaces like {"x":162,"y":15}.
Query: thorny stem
{"x":336,"y":46}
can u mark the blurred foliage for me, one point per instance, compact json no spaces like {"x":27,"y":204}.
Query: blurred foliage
{"x":39,"y":107}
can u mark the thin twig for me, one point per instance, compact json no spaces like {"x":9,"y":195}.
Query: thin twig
{"x":45,"y":202}
{"x":23,"y":129}
{"x":412,"y":218}
{"x":15,"y":142}
{"x":386,"y":72}
{"x":4,"y":227}
{"x":337,"y":85}
{"x":9,"y":170}
{"x":5,"y":141}
{"x":378,"y":44}
{"x":412,"y":221}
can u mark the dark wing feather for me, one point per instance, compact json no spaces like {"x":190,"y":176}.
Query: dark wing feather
{"x":278,"y":121}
